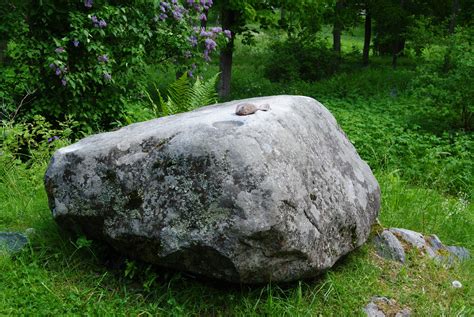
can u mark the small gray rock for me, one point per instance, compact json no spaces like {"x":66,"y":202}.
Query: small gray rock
{"x":429,"y":244}
{"x":434,"y":247}
{"x":413,"y":238}
{"x":460,"y":253}
{"x":384,"y":307}
{"x":12,"y":242}
{"x":434,"y":242}
{"x":372,"y":310}
{"x":443,"y":253}
{"x":389,"y":247}
{"x":406,"y":312}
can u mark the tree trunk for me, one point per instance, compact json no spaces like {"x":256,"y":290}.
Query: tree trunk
{"x":454,"y":14}
{"x":225,"y":62}
{"x":337,"y":29}
{"x":225,"y":66}
{"x":398,"y":42}
{"x":394,"y":54}
{"x":3,"y":48}
{"x":367,"y":37}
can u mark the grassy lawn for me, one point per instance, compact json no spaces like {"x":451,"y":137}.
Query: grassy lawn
{"x":424,"y":170}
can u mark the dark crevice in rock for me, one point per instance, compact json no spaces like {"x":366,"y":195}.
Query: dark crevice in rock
{"x":90,"y":226}
{"x":203,"y":260}
{"x":135,"y":200}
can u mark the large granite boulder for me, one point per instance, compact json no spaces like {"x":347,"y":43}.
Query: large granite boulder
{"x":272,"y":196}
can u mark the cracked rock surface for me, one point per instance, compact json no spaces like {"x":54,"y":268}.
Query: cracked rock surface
{"x":273,"y":196}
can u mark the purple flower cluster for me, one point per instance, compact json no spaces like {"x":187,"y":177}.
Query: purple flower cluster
{"x":193,"y":40}
{"x":209,"y":37}
{"x":200,"y":5}
{"x":98,"y":23}
{"x":60,"y":72}
{"x":103,"y":58}
{"x":59,"y":50}
{"x":193,"y":68}
{"x":88,"y":3}
{"x":75,"y":43}
{"x":173,"y":9}
{"x":54,"y":138}
{"x":210,"y":44}
{"x":107,"y":76}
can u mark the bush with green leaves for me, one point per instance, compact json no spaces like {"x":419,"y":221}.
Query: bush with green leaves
{"x":446,"y":80}
{"x":295,"y":59}
{"x":34,"y":141}
{"x":89,"y":58}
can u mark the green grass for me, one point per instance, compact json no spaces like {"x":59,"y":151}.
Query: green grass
{"x":424,"y":168}
{"x":57,"y":275}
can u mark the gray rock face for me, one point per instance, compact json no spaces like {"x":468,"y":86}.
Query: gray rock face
{"x":389,"y":247}
{"x":274,"y":196}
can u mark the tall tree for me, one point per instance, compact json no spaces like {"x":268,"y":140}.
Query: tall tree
{"x":454,"y":14}
{"x":243,"y":17}
{"x":392,"y":19}
{"x":367,"y":36}
{"x":228,"y":20}
{"x":234,"y":16}
{"x":337,"y":27}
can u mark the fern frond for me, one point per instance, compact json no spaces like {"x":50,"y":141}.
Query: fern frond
{"x":179,"y":95}
{"x":182,"y":96}
{"x":204,"y":93}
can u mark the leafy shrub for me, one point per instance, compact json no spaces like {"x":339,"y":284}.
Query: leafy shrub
{"x":295,"y":59}
{"x":372,"y":82}
{"x":445,"y":77}
{"x":35,"y":141}
{"x":89,"y":58}
{"x":382,"y":138}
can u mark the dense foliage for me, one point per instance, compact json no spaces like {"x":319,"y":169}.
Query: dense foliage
{"x":294,"y":59}
{"x":90,"y":58}
{"x":445,"y":81}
